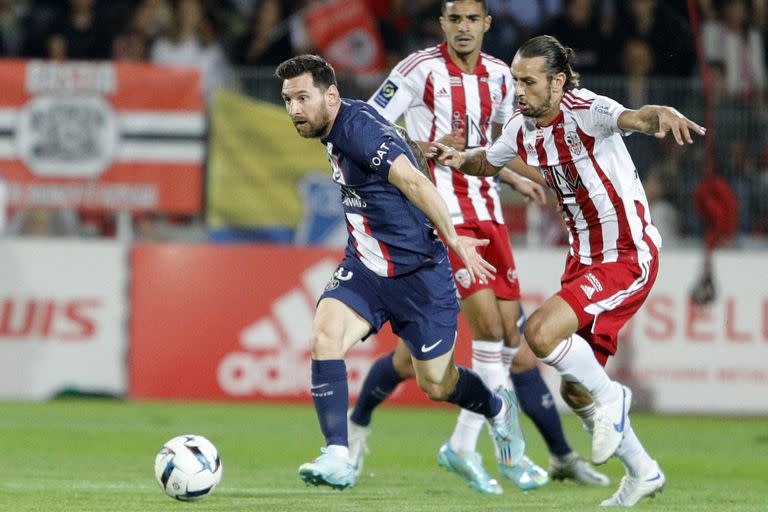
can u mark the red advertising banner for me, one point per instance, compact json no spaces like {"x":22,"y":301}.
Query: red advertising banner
{"x":234,"y":322}
{"x":101,"y":135}
{"x":343,"y":31}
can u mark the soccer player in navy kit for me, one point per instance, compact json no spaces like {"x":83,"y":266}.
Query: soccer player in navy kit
{"x":395,"y":268}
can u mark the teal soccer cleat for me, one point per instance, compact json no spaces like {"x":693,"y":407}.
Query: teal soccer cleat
{"x":508,"y":438}
{"x":525,"y":474}
{"x":328,"y":470}
{"x":470,"y":468}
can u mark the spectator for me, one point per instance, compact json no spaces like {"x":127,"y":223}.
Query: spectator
{"x":732,"y":41}
{"x":515,"y":22}
{"x":13,"y":29}
{"x":666,"y":32}
{"x":578,"y":28}
{"x":191,"y":44}
{"x":80,"y":34}
{"x":267,"y":42}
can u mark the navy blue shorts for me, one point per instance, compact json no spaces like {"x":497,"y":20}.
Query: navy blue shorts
{"x":420,"y":306}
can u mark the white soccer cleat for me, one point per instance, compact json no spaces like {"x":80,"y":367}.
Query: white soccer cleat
{"x":358,"y":443}
{"x":328,"y":469}
{"x":610,"y":421}
{"x":573,"y":467}
{"x":633,"y":489}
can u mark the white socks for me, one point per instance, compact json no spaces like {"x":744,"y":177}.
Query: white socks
{"x":574,"y":361}
{"x":507,"y":355}
{"x":487,"y":363}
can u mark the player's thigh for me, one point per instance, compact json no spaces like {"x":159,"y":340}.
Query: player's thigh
{"x":483,"y":315}
{"x":335,"y":328}
{"x":554,"y":321}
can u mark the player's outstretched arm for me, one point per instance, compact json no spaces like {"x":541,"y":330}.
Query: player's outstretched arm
{"x":471,"y":162}
{"x":422,"y":193}
{"x":658,"y":120}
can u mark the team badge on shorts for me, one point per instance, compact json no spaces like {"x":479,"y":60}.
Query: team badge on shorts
{"x":511,"y":275}
{"x":332,"y":285}
{"x":462,"y":277}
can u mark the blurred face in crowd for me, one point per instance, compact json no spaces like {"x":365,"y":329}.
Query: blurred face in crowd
{"x":638,"y":58}
{"x":190,"y":14}
{"x":309,"y":106}
{"x":538,"y":95}
{"x":464,"y":23}
{"x":579,"y":11}
{"x":735,"y":14}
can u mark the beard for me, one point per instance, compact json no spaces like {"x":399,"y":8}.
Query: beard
{"x":313,"y":130}
{"x":539,"y":111}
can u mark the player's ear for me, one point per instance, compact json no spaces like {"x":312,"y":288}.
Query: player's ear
{"x":488,"y":20}
{"x":558,"y":82}
{"x":332,"y":95}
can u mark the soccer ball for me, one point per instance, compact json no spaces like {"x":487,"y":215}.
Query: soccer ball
{"x":188,"y":467}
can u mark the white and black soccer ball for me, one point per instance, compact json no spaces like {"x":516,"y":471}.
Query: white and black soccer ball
{"x":188,"y":467}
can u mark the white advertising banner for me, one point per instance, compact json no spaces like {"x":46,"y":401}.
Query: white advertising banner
{"x":677,"y":356}
{"x":62,"y":317}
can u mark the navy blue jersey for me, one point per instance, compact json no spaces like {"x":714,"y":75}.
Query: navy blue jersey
{"x":387,"y":232}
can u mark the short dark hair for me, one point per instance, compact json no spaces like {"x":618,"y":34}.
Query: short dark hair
{"x":323,"y":75}
{"x":558,"y":57}
{"x":445,"y":2}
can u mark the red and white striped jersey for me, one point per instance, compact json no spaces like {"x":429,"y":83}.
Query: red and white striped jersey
{"x":436,"y":98}
{"x":584,"y":160}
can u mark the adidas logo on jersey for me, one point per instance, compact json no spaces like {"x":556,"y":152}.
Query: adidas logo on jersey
{"x":272,"y":356}
{"x":588,"y":290}
{"x":442,"y":93}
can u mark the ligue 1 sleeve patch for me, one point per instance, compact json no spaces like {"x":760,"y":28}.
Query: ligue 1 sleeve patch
{"x":386,"y":93}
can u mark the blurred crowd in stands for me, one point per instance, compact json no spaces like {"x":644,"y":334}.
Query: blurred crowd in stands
{"x":637,"y":51}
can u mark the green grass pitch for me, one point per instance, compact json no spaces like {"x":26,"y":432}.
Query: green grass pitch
{"x":97,"y":455}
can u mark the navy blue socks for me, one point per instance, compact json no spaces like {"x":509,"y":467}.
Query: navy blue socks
{"x":381,"y":381}
{"x":330,"y":393}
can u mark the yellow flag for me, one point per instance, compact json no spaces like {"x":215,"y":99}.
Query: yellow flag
{"x":255,"y":163}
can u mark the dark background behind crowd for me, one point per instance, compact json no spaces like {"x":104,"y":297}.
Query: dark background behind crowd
{"x":636,"y":51}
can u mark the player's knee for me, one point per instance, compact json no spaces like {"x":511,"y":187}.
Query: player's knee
{"x":436,"y":391}
{"x":490,"y":328}
{"x":537,"y":334}
{"x":325,"y":346}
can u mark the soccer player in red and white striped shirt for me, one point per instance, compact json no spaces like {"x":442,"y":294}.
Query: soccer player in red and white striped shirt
{"x":456,"y":94}
{"x":574,"y":137}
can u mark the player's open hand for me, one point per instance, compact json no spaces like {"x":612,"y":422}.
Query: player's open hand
{"x":680,"y":126}
{"x":445,"y":155}
{"x":478,"y":268}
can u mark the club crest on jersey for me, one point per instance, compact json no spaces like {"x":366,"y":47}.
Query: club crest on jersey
{"x":462,"y":277}
{"x":386,"y":93}
{"x":574,"y":142}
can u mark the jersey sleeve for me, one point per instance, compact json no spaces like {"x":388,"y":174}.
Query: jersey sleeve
{"x":394,"y":96}
{"x":373,"y":144}
{"x":504,"y":148}
{"x":601,"y":119}
{"x":507,"y":105}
